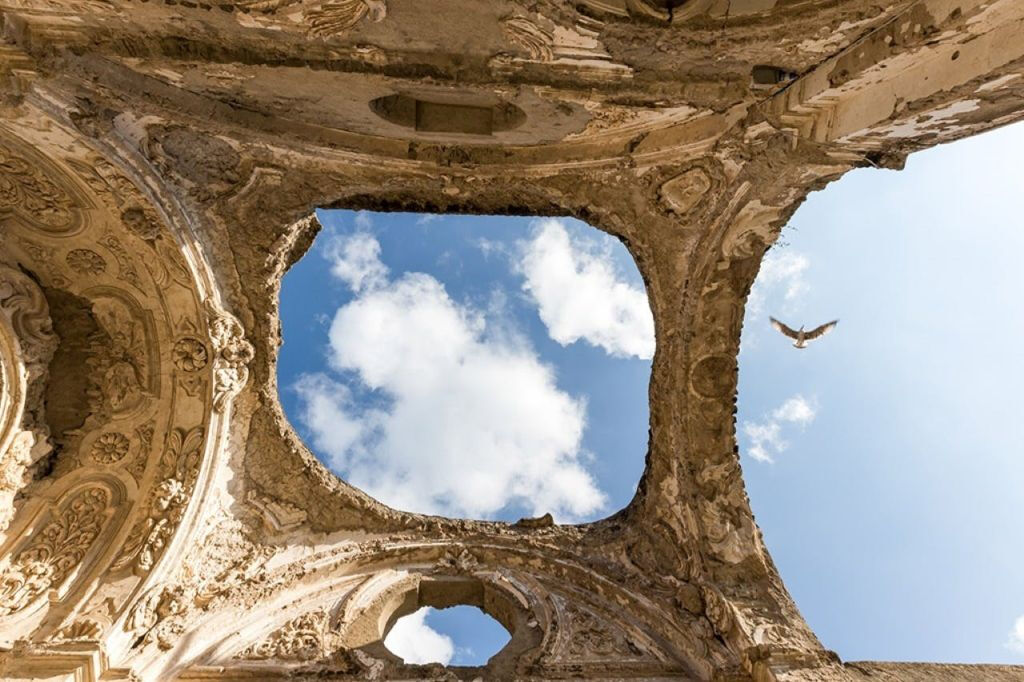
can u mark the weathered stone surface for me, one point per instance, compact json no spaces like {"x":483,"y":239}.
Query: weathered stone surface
{"x":159,"y":165}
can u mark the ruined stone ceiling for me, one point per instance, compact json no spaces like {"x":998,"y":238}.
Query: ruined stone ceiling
{"x":159,"y":165}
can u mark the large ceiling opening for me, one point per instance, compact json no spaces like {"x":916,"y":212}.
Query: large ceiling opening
{"x":481,"y":367}
{"x":884,"y":461}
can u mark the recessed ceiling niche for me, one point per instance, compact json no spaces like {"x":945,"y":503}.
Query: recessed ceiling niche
{"x":466,"y":116}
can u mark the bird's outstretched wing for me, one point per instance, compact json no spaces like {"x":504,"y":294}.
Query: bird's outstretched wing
{"x":784,"y":329}
{"x":821,"y":331}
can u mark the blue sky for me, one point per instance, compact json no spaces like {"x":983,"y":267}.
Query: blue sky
{"x":884,"y":462}
{"x":511,"y":350}
{"x":895,"y":512}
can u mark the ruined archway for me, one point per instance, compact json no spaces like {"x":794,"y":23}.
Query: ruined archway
{"x":185,"y":146}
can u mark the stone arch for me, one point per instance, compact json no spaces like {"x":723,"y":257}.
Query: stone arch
{"x":158,"y":361}
{"x":342,"y":618}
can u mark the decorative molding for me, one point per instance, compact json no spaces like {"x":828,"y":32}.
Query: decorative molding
{"x":23,"y":305}
{"x":573,"y":51}
{"x":158,"y":170}
{"x":527,"y":35}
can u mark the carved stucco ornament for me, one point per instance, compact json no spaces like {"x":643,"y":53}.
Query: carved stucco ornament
{"x":634,"y":9}
{"x":323,"y":19}
{"x":27,"y":344}
{"x":154,"y":614}
{"x":123,"y":364}
{"x":683,"y":192}
{"x":55,"y":551}
{"x":86,"y":262}
{"x":592,"y":637}
{"x":110,"y":447}
{"x":711,"y":375}
{"x":718,"y":610}
{"x":22,"y":303}
{"x":301,"y":639}
{"x":190,"y":354}
{"x":149,"y":537}
{"x":527,"y":35}
{"x":277,"y":516}
{"x":575,"y":48}
{"x":29,"y":191}
{"x":460,"y":563}
{"x":232,"y":355}
{"x":86,"y":630}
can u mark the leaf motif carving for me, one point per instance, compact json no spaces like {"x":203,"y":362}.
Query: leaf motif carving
{"x":28,"y":192}
{"x":55,"y":551}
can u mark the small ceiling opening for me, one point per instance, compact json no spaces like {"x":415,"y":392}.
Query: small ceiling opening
{"x":765,"y":76}
{"x":456,"y":636}
{"x":883,"y":460}
{"x":472,"y":116}
{"x":486,"y":367}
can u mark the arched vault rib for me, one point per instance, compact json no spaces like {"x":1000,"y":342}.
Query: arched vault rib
{"x":137,"y":383}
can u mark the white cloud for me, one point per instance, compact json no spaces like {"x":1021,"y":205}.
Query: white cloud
{"x":581,"y":296}
{"x":795,"y":410}
{"x":489,"y":247}
{"x":781,"y":276}
{"x":1016,"y":641}
{"x":363,"y":221}
{"x":415,"y":642}
{"x":355,"y":259}
{"x":427,"y":218}
{"x":765,"y":437}
{"x":464,"y":418}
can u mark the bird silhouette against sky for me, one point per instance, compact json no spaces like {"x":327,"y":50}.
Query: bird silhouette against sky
{"x":800,"y":337}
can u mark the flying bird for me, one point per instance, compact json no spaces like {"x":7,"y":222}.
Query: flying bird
{"x":801,"y":338}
